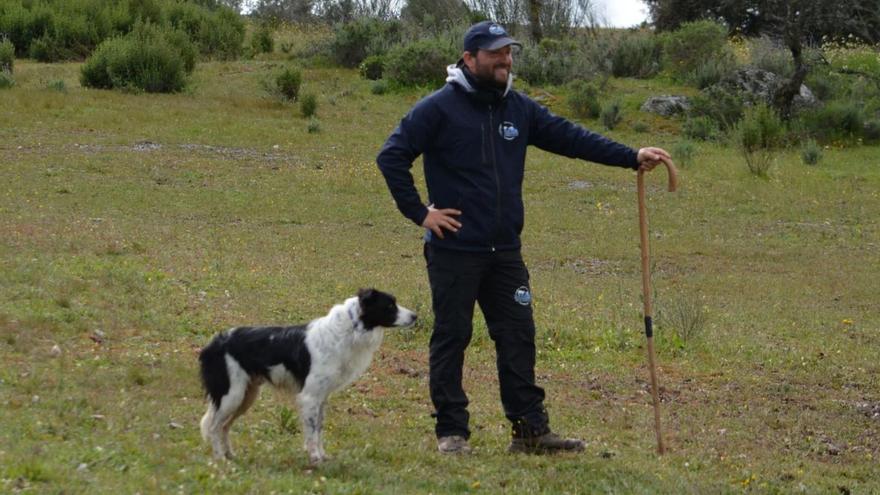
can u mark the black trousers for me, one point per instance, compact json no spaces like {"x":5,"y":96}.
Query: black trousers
{"x":499,"y":282}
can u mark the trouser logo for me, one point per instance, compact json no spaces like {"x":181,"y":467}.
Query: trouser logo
{"x":523,"y":296}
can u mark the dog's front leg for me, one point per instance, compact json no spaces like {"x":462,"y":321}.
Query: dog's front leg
{"x":310,"y":409}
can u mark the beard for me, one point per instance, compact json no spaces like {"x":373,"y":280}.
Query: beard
{"x":492,"y":76}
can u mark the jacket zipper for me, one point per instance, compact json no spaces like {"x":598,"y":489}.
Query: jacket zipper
{"x":483,"y":142}
{"x":497,"y":179}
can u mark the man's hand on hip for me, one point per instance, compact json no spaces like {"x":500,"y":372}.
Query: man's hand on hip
{"x":438,"y":220}
{"x":651,"y":157}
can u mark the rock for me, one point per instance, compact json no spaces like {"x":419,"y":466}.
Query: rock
{"x":757,"y":85}
{"x":666,"y":105}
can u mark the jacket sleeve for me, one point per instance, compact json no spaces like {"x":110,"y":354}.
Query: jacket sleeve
{"x":558,"y":135}
{"x":396,"y":158}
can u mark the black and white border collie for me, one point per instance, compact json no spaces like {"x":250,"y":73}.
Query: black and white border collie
{"x":309,"y":361}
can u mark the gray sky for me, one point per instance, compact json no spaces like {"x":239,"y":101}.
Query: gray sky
{"x":623,"y":13}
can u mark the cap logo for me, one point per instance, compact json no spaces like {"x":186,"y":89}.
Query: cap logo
{"x":497,"y":30}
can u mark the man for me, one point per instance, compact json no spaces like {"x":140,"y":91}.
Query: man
{"x":473,"y":133}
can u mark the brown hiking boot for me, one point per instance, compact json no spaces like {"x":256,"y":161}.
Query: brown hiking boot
{"x":548,"y":443}
{"x":455,"y":444}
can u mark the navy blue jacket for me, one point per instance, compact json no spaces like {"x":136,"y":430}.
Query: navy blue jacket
{"x":474,"y":158}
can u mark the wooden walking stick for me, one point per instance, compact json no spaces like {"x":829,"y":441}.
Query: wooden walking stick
{"x":646,"y":291}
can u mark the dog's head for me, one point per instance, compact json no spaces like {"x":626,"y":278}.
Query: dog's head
{"x":379,"y":309}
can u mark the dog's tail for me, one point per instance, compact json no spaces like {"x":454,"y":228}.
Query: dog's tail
{"x":215,"y":376}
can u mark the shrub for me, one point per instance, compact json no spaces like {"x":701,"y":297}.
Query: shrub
{"x":6,"y":79}
{"x":421,"y":63}
{"x":308,"y":106}
{"x":768,"y":55}
{"x":700,"y":127}
{"x":835,"y":121}
{"x":757,"y":135}
{"x":7,"y":55}
{"x":314,"y":125}
{"x":711,"y":72}
{"x":686,"y":317}
{"x":372,"y":67}
{"x":218,"y":33}
{"x":641,"y":127}
{"x":683,"y":153}
{"x":610,"y":115}
{"x":584,"y":100}
{"x":871,"y":134}
{"x":51,"y":30}
{"x":379,"y":87}
{"x":149,"y":58}
{"x":553,"y":62}
{"x":636,"y":55}
{"x":823,"y":84}
{"x":262,"y":41}
{"x":287,"y":83}
{"x":723,"y":107}
{"x":694,"y":44}
{"x":57,"y":85}
{"x":811,"y":153}
{"x":356,"y":40}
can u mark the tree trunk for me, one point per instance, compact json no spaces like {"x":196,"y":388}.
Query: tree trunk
{"x":535,"y":20}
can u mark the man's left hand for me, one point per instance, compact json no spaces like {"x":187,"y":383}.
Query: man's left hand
{"x":651,"y":157}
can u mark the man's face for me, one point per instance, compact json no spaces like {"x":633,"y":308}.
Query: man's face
{"x":491,"y":67}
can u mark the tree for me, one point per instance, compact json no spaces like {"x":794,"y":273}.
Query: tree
{"x":818,"y":18}
{"x":795,"y":22}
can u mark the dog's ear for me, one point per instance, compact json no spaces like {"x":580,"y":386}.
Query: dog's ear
{"x":365,"y":295}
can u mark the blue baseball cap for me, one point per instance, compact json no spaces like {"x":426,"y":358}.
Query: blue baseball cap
{"x":487,"y":35}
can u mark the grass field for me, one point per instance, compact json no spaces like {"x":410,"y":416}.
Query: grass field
{"x":136,"y":226}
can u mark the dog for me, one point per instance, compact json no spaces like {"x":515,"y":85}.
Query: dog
{"x":308,"y":361}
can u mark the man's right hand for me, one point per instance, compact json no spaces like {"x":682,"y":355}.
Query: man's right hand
{"x":437,"y":220}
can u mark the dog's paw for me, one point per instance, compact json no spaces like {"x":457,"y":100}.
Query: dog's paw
{"x":316,"y":459}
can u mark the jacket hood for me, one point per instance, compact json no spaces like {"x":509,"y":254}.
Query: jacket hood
{"x":456,"y":76}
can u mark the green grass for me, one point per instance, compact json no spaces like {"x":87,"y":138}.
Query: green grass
{"x":136,"y":226}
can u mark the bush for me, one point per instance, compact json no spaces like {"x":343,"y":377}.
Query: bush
{"x":700,"y":127}
{"x":823,"y":84}
{"x":372,"y":67}
{"x":149,"y":58}
{"x":836,"y":121}
{"x":287,"y":84}
{"x":693,"y":45}
{"x":584,"y":100}
{"x":757,"y":135}
{"x":314,"y":125}
{"x":811,"y":153}
{"x":711,"y":72}
{"x":722,"y":107}
{"x":768,"y":55}
{"x":6,"y":80}
{"x":262,"y":41}
{"x":553,"y":62}
{"x":610,"y":115}
{"x":7,"y":55}
{"x":871,"y":133}
{"x":356,"y":40}
{"x":379,"y":87}
{"x":421,"y":63}
{"x":636,"y":55}
{"x":683,"y":153}
{"x":308,"y":106}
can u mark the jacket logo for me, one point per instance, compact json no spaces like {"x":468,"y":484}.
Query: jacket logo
{"x":523,"y":296}
{"x":508,"y":131}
